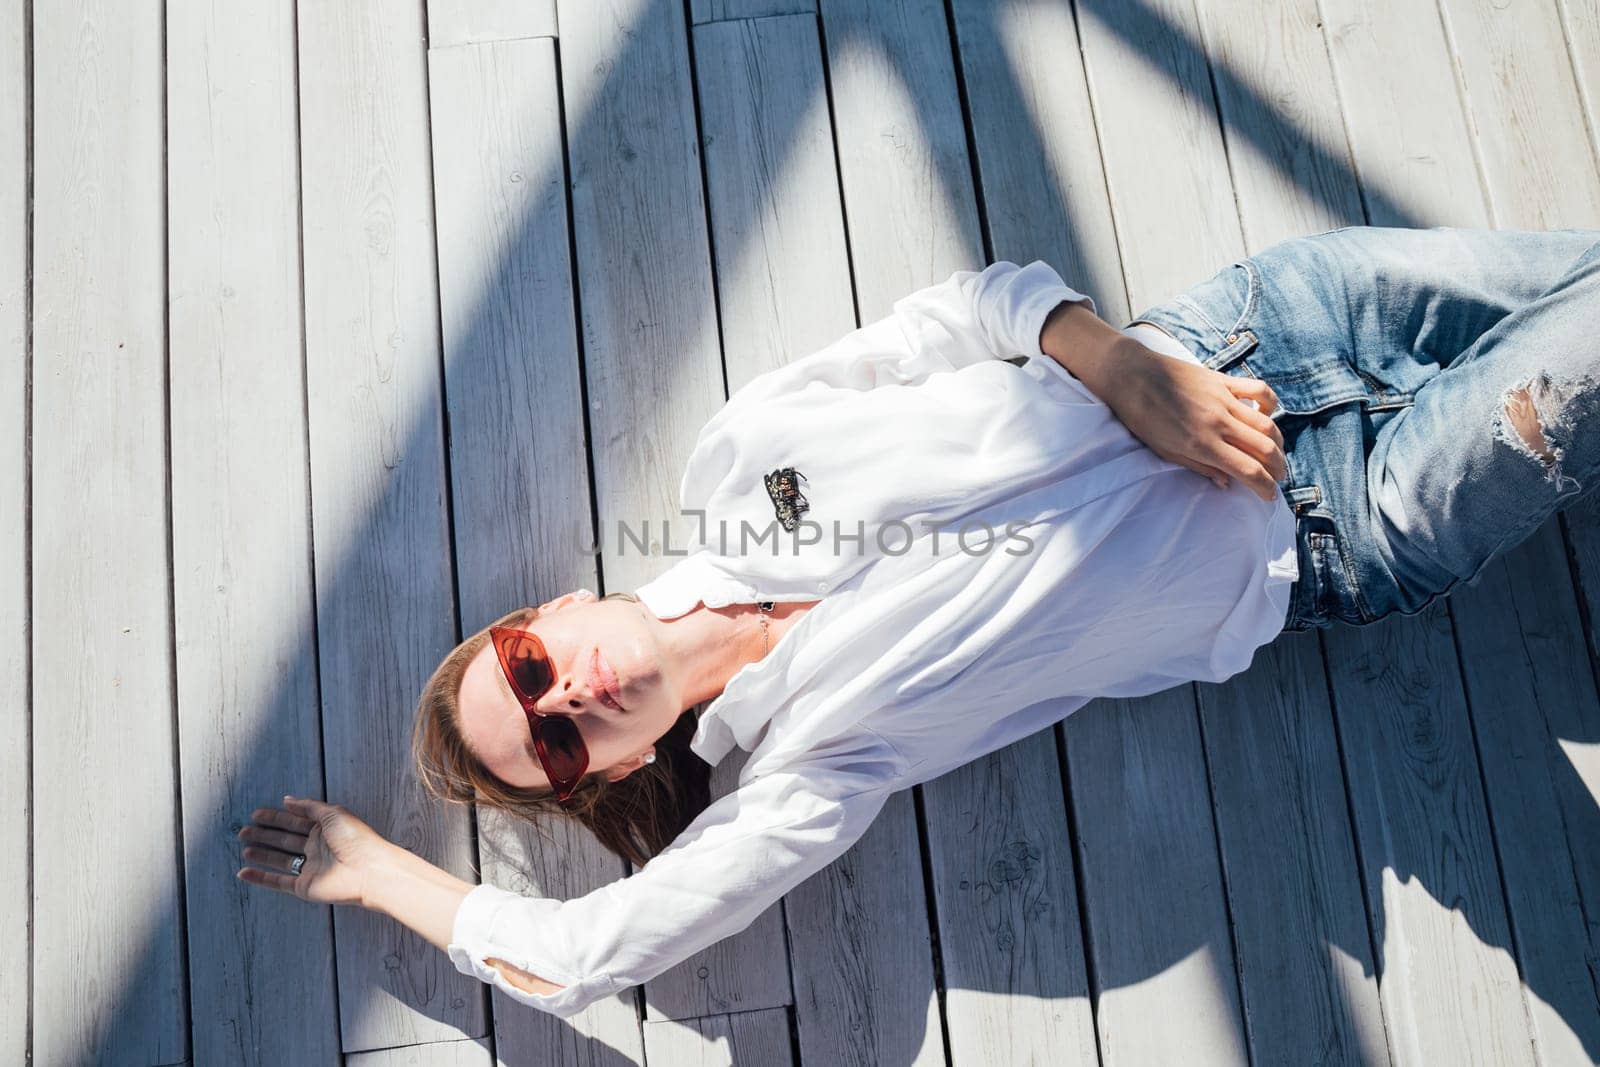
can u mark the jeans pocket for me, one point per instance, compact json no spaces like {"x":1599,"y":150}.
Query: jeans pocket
{"x":1333,"y":591}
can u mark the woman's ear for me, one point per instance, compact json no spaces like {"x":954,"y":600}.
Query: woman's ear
{"x":577,"y":596}
{"x":622,"y":770}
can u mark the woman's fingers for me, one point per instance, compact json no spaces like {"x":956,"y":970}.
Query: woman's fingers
{"x":307,"y":807}
{"x":283,"y":883}
{"x":1247,"y":469}
{"x":280,"y":839}
{"x":1259,"y":422}
{"x":1254,"y":389}
{"x":283,"y":820}
{"x":270,"y":858}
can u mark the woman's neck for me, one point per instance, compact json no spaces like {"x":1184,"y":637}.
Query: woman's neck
{"x":713,"y":644}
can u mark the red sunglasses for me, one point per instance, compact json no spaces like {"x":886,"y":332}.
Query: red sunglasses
{"x":555,"y":737}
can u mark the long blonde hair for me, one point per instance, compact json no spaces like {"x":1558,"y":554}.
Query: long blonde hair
{"x":635,"y":817}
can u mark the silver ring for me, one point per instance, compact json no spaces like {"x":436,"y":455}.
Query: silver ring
{"x":296,"y":863}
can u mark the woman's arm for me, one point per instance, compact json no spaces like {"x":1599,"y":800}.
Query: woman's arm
{"x":348,"y":862}
{"x":1186,"y":413}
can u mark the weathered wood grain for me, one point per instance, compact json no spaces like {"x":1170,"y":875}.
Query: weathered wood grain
{"x":1525,"y":113}
{"x":1537,"y":717}
{"x":1040,"y":174}
{"x":647,"y":315}
{"x":1450,"y":991}
{"x":1301,"y":938}
{"x":468,"y":1053}
{"x":777,"y":223}
{"x":108,"y":969}
{"x":453,"y":22}
{"x":241,"y":519}
{"x":1581,"y":21}
{"x":1146,"y":837}
{"x":1406,"y":125}
{"x":385,"y":599}
{"x":15,"y":712}
{"x":519,"y":473}
{"x":1158,"y":924}
{"x":715,"y":10}
{"x":740,"y":1037}
{"x":1302,"y":942}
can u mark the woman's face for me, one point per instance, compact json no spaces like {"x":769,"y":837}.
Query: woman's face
{"x":584,"y":638}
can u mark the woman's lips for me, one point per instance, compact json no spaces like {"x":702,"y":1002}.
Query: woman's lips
{"x":604,"y":682}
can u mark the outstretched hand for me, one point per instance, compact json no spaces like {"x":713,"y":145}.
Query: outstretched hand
{"x":1198,"y":417}
{"x":341,"y":851}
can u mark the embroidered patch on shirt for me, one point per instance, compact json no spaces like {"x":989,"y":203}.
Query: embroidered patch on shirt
{"x":783,"y":486}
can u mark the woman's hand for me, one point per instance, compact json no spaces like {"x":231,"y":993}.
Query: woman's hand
{"x":341,"y":851}
{"x":1187,"y":414}
{"x":1199,"y":418}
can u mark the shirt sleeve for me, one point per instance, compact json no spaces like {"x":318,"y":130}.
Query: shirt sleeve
{"x":972,"y":316}
{"x":737,"y":858}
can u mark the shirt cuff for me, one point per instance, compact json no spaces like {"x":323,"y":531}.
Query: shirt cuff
{"x":1048,"y":292}
{"x":473,"y":940}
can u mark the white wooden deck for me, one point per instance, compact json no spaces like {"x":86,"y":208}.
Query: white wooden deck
{"x":328,"y":332}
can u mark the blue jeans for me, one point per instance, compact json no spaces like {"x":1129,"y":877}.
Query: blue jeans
{"x":1393,"y":353}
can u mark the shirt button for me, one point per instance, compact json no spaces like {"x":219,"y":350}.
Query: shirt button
{"x":822,"y":587}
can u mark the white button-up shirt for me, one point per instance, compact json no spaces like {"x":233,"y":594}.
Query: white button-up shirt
{"x":990,"y":548}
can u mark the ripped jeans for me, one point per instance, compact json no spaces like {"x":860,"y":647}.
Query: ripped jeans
{"x":1411,"y":367}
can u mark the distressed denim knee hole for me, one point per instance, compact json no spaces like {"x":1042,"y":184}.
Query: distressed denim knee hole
{"x":1531,"y":413}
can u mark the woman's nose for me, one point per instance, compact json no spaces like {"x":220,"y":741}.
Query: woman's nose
{"x":564,"y":697}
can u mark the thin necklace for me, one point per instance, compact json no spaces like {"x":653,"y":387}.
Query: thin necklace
{"x":766,"y":640}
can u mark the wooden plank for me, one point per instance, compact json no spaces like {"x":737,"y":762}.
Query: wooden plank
{"x":864,"y":987}
{"x":452,"y":22}
{"x":1450,"y":992}
{"x":15,"y":712}
{"x":243,"y":599}
{"x":1016,"y":989}
{"x":1303,"y":946}
{"x":716,"y":10}
{"x":468,"y":1053}
{"x":647,"y":315}
{"x":516,"y":418}
{"x":1536,"y":715}
{"x":108,"y":966}
{"x":777,"y":222}
{"x":1406,"y":125}
{"x":1041,"y":177}
{"x":1581,"y":20}
{"x":1168,"y":991}
{"x":385,"y":614}
{"x":1525,"y":113}
{"x":1557,"y":187}
{"x":1158,"y":924}
{"x":722,"y":1040}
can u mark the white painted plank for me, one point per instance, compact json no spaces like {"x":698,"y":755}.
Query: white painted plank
{"x":244,"y":610}
{"x":1536,"y":714}
{"x":1450,"y":991}
{"x":1158,"y":925}
{"x":1167,"y":991}
{"x":108,"y":970}
{"x":864,"y":988}
{"x":1406,"y":126}
{"x":516,"y":456}
{"x":716,"y":10}
{"x":1302,"y":942}
{"x":453,"y":22}
{"x":385,"y":614}
{"x":760,"y":1037}
{"x":15,"y":816}
{"x":647,"y":315}
{"x":1581,"y":19}
{"x":468,"y":1053}
{"x":1525,"y":113}
{"x":1301,"y":937}
{"x":777,"y":221}
{"x":1043,"y":183}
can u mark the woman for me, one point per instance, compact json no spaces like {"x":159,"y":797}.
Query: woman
{"x":983,"y":512}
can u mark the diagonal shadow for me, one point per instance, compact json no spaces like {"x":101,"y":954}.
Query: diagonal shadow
{"x":210,"y":853}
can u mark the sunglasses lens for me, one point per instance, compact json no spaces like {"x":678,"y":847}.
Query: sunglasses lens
{"x":563,"y":747}
{"x":528,"y":667}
